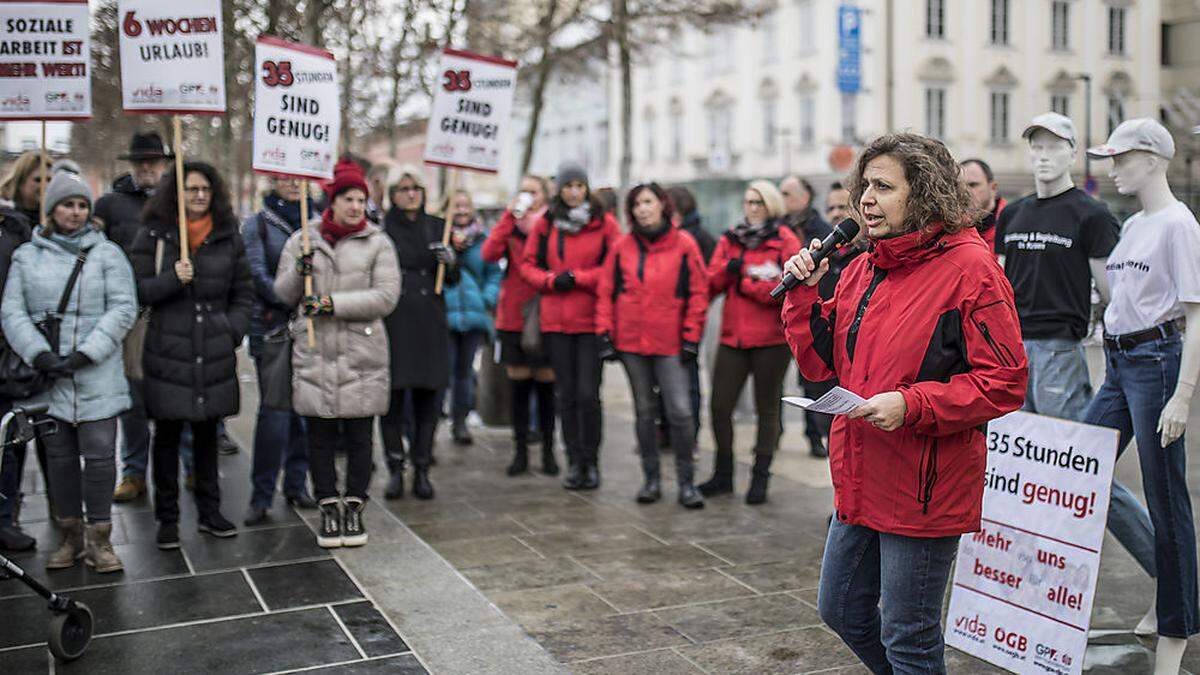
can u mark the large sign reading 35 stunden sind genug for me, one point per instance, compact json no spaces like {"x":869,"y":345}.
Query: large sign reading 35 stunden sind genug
{"x":297,"y":119}
{"x":1024,"y":584}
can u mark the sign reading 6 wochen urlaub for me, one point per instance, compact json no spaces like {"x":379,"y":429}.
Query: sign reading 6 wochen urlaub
{"x":471,"y":113}
{"x":44,"y":69}
{"x":297,"y":119}
{"x":172,"y":59}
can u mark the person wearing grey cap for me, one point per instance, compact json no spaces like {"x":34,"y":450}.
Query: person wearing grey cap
{"x":1055,"y":243}
{"x":89,"y":388}
{"x":1152,"y":366}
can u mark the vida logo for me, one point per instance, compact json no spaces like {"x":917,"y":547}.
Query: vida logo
{"x":974,"y":625}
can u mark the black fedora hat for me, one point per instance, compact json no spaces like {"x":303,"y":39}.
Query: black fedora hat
{"x":146,"y":146}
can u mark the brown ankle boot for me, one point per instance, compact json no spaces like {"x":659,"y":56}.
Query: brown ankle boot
{"x":71,"y":548}
{"x":100,"y":554}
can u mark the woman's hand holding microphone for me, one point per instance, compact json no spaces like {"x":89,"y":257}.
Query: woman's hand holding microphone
{"x":802,"y":267}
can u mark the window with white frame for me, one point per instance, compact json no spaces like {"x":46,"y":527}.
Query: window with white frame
{"x":999,"y":32}
{"x":769,"y":36}
{"x":770,"y":128}
{"x":720,"y":131}
{"x":1116,"y":111}
{"x":1116,"y":30}
{"x":849,"y":118}
{"x":935,"y":112}
{"x":648,"y":130}
{"x":808,"y":120}
{"x":677,"y":135}
{"x":998,"y":127}
{"x":935,"y":18}
{"x":1061,"y":104}
{"x":806,"y":36}
{"x":1060,"y":25}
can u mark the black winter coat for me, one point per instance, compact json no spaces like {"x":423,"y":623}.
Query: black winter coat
{"x":418,"y":333}
{"x":121,"y":212}
{"x":189,"y":360}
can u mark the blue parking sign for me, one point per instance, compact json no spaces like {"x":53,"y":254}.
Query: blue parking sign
{"x":849,"y":69}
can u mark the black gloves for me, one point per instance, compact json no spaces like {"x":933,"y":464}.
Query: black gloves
{"x":48,"y":362}
{"x":689,"y":352}
{"x":607,"y":351}
{"x":317,"y":305}
{"x":304,"y":265}
{"x":443,"y":254}
{"x":564,"y":282}
{"x":76,"y":361}
{"x":734,"y":267}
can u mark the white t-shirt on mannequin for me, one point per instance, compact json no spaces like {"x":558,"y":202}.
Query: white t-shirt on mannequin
{"x":1154,"y":267}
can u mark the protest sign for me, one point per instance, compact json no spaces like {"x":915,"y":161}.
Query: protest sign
{"x":297,"y":119}
{"x":44,"y":54}
{"x":172,"y":58}
{"x":1024,"y":584}
{"x":472,"y":110}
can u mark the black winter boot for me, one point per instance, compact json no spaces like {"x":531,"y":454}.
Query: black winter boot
{"x":575,"y":476}
{"x":395,"y":484}
{"x":721,"y":482}
{"x":422,"y":488}
{"x":758,"y":480}
{"x":460,"y":433}
{"x":549,"y":463}
{"x":520,"y":462}
{"x":651,"y":491}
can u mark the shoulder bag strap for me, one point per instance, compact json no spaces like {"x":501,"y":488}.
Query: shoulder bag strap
{"x":66,"y":294}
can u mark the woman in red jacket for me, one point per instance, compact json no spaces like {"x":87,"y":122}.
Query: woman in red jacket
{"x":563,"y":260}
{"x":747,"y":264}
{"x":925,"y":329}
{"x":527,"y":372}
{"x":650,"y":312}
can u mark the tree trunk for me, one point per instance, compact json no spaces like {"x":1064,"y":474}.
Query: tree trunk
{"x":544,"y":69}
{"x":314,"y":15}
{"x":621,"y":33}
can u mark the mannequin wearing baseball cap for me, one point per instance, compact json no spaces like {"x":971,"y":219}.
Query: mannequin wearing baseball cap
{"x":1055,"y":244}
{"x":1154,"y":275}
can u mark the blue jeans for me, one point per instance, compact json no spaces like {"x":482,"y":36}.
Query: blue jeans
{"x":135,"y":435}
{"x":671,"y":377}
{"x":863,"y":569}
{"x":463,"y":347}
{"x":1059,"y":385}
{"x":1137,"y":384}
{"x":279,"y":443}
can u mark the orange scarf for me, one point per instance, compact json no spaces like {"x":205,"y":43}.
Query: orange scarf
{"x":198,"y":231}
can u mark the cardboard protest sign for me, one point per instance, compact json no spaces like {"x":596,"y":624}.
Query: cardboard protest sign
{"x":297,"y":119}
{"x":44,"y":54}
{"x":1024,"y":584}
{"x":172,"y":58}
{"x":472,"y":111}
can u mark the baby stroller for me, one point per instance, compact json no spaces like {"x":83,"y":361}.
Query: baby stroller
{"x":71,"y":624}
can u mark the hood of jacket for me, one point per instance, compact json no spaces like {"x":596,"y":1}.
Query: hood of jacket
{"x":916,"y":247}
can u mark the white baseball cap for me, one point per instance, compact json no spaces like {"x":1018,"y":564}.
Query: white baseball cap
{"x":1059,"y":125}
{"x":1142,"y":133}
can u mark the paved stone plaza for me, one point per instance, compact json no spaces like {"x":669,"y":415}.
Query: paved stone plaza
{"x":497,"y":575}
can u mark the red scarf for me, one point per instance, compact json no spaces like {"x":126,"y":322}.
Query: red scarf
{"x":333,"y":232}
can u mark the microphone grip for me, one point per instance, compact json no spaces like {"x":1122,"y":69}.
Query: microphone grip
{"x":790,"y":281}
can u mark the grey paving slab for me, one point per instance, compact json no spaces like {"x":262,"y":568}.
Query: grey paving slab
{"x":649,"y":560}
{"x":668,"y":589}
{"x":584,"y":541}
{"x":608,"y":636}
{"x":739,"y":617}
{"x":782,"y":653}
{"x":538,"y":606}
{"x":661,"y":662}
{"x":528,"y":574}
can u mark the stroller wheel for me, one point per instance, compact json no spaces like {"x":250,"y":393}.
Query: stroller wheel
{"x":71,"y":632}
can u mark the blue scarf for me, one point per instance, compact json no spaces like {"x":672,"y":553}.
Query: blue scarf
{"x":72,"y":242}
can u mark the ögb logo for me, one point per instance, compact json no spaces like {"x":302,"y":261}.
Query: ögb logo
{"x":1011,"y":640}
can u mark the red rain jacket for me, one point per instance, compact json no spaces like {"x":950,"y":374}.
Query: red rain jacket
{"x":506,"y":240}
{"x":548,"y":253}
{"x":653,"y":295}
{"x":932,"y":316}
{"x":750,"y":317}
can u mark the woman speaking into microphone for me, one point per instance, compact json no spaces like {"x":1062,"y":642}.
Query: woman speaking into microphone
{"x":925,"y":329}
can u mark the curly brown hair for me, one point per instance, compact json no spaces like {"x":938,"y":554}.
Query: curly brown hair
{"x":936,"y":194}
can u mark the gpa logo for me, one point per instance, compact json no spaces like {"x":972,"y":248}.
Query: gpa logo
{"x":309,"y":155}
{"x":57,"y":96}
{"x":191,"y":89}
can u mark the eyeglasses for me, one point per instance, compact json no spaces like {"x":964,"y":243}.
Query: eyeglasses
{"x":754,"y":202}
{"x":198,"y":190}
{"x":408,"y":188}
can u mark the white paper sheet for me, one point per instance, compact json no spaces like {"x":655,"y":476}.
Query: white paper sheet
{"x":837,"y":402}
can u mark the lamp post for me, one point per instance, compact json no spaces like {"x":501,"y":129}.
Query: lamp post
{"x":1087,"y":126}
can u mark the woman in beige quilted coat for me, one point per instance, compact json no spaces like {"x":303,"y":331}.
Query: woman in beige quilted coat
{"x":341,"y":383}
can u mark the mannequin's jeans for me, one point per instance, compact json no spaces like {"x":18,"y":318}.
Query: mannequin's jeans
{"x":1138,"y":382}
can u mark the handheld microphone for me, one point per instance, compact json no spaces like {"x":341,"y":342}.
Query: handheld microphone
{"x":841,"y":235}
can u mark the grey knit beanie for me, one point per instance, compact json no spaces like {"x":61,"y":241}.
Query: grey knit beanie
{"x":64,"y":185}
{"x":569,"y":171}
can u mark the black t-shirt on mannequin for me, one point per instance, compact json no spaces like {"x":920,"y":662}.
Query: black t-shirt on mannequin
{"x":1048,"y":246}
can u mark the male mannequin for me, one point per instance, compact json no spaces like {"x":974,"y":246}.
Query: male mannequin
{"x":1055,"y":244}
{"x":1155,"y":276}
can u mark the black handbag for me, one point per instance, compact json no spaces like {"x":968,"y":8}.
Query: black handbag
{"x":275,"y":380}
{"x":19,"y":380}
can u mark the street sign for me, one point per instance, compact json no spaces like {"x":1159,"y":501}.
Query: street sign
{"x":849,"y":68}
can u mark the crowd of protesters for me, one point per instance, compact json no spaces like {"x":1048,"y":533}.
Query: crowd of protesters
{"x":934,"y":313}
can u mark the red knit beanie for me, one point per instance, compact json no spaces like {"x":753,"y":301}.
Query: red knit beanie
{"x":346,"y":175}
